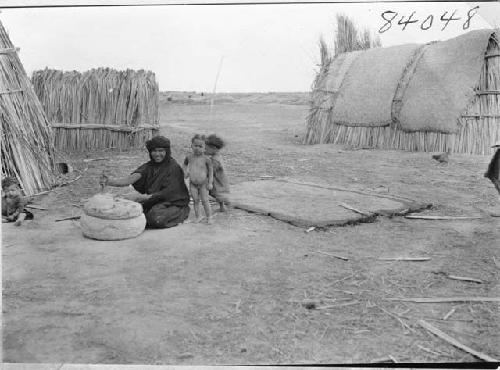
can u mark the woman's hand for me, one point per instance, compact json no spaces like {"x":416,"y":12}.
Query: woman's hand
{"x":131,"y":196}
{"x":210,"y":186}
{"x":120,"y":181}
{"x":136,"y":197}
{"x":143,"y":197}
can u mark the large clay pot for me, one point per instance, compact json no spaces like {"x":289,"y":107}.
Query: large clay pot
{"x":101,"y":229}
{"x":110,"y":218}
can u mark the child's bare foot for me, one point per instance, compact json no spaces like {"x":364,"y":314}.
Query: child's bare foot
{"x":222,"y":208}
{"x":199,"y":219}
{"x":210,"y":220}
{"x":20,"y":219}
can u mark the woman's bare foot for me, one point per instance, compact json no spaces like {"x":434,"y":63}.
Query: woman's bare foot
{"x":210,"y":220}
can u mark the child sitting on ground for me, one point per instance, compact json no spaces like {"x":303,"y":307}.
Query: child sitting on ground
{"x":198,"y":167}
{"x":13,"y":202}
{"x":213,"y":144}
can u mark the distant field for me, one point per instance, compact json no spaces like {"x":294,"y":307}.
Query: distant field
{"x":192,"y":97}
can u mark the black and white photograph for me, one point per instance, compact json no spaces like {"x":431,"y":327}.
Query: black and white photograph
{"x":266,"y":183}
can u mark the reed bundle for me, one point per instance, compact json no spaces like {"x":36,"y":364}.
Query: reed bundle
{"x":474,"y":137}
{"x":116,"y":100}
{"x":477,"y":125}
{"x":27,"y":144}
{"x":350,"y":38}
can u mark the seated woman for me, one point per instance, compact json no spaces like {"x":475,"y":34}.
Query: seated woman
{"x":165,"y":197}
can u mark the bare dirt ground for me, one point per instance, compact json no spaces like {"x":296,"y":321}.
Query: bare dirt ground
{"x":251,"y":289}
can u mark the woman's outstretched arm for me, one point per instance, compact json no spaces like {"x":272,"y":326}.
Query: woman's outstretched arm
{"x":119,"y":181}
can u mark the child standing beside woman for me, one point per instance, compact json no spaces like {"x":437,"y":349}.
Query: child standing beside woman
{"x":206,"y":174}
{"x":198,"y":167}
{"x":220,"y":188}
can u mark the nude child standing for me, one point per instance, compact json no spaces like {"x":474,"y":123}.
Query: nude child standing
{"x":198,"y":167}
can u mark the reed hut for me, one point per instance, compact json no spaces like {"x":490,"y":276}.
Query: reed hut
{"x":26,"y":137}
{"x":432,"y":97}
{"x":99,"y":109}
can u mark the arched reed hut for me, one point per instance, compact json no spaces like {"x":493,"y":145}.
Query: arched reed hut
{"x":26,"y":137}
{"x":99,"y":109}
{"x":433,"y":97}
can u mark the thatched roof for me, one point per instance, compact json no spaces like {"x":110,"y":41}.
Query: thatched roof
{"x":26,"y":137}
{"x":424,"y":87}
{"x":367,"y":90}
{"x":444,"y":83}
{"x":332,"y":81}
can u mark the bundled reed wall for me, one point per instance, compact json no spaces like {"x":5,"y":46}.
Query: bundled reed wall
{"x":99,"y":109}
{"x":27,"y":144}
{"x":477,"y":127}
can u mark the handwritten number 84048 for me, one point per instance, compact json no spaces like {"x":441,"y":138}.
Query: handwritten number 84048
{"x":389,"y":16}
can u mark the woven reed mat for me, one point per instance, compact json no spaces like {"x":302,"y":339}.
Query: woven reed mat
{"x":308,"y":205}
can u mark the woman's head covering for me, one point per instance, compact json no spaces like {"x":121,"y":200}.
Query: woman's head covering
{"x":158,"y":142}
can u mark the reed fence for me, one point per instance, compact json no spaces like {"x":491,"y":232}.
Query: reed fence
{"x":99,"y":109}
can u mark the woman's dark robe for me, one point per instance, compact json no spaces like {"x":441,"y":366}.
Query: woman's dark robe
{"x":169,"y":202}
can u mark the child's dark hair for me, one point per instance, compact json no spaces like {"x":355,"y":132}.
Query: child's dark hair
{"x":8,"y":181}
{"x":198,"y":137}
{"x":215,"y":141}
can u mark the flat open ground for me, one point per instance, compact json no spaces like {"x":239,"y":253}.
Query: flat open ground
{"x":252,"y":289}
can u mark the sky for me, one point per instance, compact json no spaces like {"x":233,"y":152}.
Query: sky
{"x":255,"y":48}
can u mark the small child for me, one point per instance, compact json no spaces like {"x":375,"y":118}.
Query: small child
{"x":13,"y":202}
{"x":220,"y":189}
{"x":198,"y":167}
